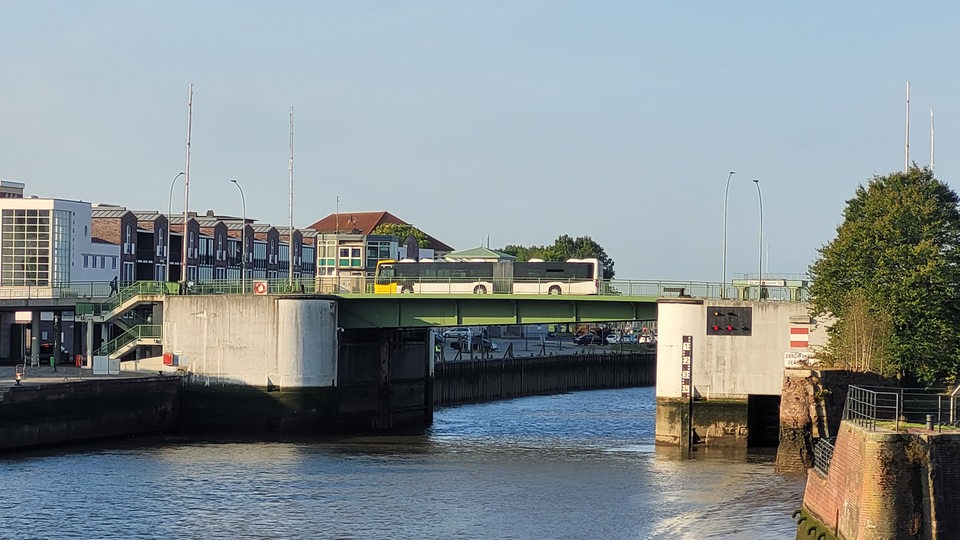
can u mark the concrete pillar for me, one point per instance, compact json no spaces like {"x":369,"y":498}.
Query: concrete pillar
{"x":88,"y":353}
{"x":35,"y":338}
{"x":306,"y":343}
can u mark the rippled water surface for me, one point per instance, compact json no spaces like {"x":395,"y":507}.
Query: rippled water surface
{"x":579,"y":465}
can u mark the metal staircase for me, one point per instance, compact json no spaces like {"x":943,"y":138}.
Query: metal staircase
{"x":120,"y":311}
{"x":142,"y":334}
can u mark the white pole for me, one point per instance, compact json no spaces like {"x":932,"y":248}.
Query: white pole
{"x":931,"y":139}
{"x":290,"y":236}
{"x":723,"y":284}
{"x":906,"y":145}
{"x":186,"y":188}
{"x":243,"y":240}
{"x":167,"y":254}
{"x":760,"y":249}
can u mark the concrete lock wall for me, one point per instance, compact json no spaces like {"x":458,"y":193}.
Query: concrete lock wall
{"x":39,"y":414}
{"x":257,"y":341}
{"x":306,"y":343}
{"x":727,"y":369}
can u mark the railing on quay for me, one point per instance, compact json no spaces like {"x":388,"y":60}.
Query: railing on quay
{"x":866,"y":406}
{"x":823,"y":455}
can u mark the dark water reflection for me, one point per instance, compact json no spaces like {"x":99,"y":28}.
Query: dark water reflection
{"x":580,"y":465}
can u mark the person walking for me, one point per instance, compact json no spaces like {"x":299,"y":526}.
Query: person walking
{"x":113,"y":286}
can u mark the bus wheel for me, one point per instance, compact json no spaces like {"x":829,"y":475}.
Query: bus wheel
{"x":480,"y":289}
{"x":554,"y":290}
{"x":406,"y":289}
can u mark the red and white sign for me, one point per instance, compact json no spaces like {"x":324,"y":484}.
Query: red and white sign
{"x":259,"y":287}
{"x":799,"y":337}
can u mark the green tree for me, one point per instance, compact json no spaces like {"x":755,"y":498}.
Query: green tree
{"x":563,"y":248}
{"x":896,"y":260}
{"x":403,"y":232}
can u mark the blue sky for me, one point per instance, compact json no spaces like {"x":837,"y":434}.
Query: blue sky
{"x":514,"y":120}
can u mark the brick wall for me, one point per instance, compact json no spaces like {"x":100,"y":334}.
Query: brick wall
{"x":885,"y":485}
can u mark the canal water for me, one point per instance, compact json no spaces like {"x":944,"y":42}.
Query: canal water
{"x":578,"y":465}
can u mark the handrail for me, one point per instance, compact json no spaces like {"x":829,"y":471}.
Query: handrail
{"x":866,"y":406}
{"x":99,"y":293}
{"x":823,"y":455}
{"x":141,"y":331}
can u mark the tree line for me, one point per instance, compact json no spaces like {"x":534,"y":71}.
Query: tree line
{"x":891,"y":280}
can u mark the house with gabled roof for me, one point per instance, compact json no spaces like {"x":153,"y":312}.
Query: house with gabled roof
{"x":365,"y":222}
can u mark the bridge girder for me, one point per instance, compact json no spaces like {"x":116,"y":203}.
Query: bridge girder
{"x":379,"y":311}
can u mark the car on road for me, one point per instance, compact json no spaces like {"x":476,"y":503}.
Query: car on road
{"x":588,"y":339}
{"x":457,"y":332}
{"x":477,"y":343}
{"x":613,"y":338}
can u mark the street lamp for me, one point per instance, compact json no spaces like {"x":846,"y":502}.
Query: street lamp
{"x":723,"y":284}
{"x":760,"y":251}
{"x":243,"y":240}
{"x":169,"y":210}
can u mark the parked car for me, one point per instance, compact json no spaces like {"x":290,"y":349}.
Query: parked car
{"x":613,"y":338}
{"x":46,"y":351}
{"x":457,"y":332}
{"x":477,"y":343}
{"x":588,"y":339}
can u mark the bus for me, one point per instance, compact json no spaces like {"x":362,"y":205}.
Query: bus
{"x":573,"y":276}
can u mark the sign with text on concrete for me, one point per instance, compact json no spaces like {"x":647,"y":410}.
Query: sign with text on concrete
{"x":686,"y":367}
{"x":799,"y":359}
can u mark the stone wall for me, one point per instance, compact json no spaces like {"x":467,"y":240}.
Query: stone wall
{"x":39,"y":414}
{"x":811,"y":407}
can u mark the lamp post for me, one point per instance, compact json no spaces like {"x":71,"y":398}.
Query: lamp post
{"x":243,"y":240}
{"x":726,"y":191}
{"x":166,"y":254}
{"x":760,"y":250}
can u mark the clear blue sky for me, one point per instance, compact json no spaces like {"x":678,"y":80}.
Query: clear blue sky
{"x":517,"y":120}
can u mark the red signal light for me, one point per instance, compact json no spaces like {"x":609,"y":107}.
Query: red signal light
{"x":729,"y":328}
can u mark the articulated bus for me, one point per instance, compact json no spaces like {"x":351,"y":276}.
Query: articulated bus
{"x":575,"y":276}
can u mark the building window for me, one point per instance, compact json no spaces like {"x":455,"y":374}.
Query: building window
{"x":128,"y":248}
{"x":28,"y":248}
{"x":377,"y":251}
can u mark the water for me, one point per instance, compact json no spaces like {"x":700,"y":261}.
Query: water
{"x":578,"y":465}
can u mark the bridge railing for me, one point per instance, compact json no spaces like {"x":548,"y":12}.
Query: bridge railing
{"x":100,"y":292}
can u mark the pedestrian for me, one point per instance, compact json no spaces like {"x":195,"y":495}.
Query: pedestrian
{"x":113,"y":286}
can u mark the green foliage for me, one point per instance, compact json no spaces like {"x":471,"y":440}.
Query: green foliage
{"x":563,"y":248}
{"x":895,"y":263}
{"x":403,"y":232}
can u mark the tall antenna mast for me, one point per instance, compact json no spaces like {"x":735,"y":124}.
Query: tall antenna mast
{"x":290,"y":237}
{"x":931,"y":139}
{"x":906,"y":146}
{"x":186,"y":188}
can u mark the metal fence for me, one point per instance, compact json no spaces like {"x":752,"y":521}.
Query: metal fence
{"x":101,"y":291}
{"x":823,"y":454}
{"x":866,"y":406}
